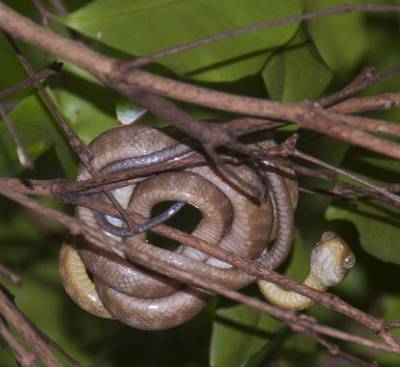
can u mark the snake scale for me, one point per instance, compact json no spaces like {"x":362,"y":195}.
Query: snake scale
{"x":110,"y":286}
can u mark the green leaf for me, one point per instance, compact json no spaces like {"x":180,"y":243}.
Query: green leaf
{"x":243,"y":336}
{"x":297,"y":72}
{"x":13,"y":72}
{"x":146,"y":26}
{"x":342,"y":40}
{"x":88,"y":116}
{"x":377,"y":225}
{"x":237,"y":334}
{"x":311,"y":208}
{"x":128,"y":112}
{"x":38,"y":132}
{"x":391,"y":311}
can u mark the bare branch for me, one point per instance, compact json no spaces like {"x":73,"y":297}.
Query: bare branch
{"x":142,"y":257}
{"x":14,"y":316}
{"x":115,"y":73}
{"x":337,"y":10}
{"x":10,"y":276}
{"x":383,"y":102}
{"x":53,"y":69}
{"x":24,"y":357}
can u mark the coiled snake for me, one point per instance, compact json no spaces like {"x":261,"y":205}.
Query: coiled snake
{"x":232,"y":220}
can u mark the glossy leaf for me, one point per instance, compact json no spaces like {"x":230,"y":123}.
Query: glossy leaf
{"x":377,"y":223}
{"x":297,"y":72}
{"x":144,"y":27}
{"x":88,"y":116}
{"x":235,"y":337}
{"x":342,"y":40}
{"x":38,"y":132}
{"x":391,"y":311}
{"x":128,"y":113}
{"x":309,"y":217}
{"x":243,"y":336}
{"x":377,"y":226}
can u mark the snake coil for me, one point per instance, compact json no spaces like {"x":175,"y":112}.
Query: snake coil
{"x":109,"y":285}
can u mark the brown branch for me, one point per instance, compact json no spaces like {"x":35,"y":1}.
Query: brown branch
{"x":376,"y":126}
{"x":59,"y":7}
{"x":22,"y":356}
{"x":44,"y":14}
{"x":10,"y":276}
{"x":360,"y":82}
{"x":382,"y":102}
{"x":142,"y":257}
{"x":326,"y":299}
{"x":67,"y":188}
{"x":337,"y":10}
{"x":365,"y":79}
{"x":75,"y":142}
{"x":115,"y":73}
{"x":35,"y":332}
{"x":72,"y":361}
{"x":395,"y":199}
{"x":14,"y":316}
{"x":335,"y":351}
{"x":393,"y":324}
{"x":248,"y":125}
{"x":53,"y":69}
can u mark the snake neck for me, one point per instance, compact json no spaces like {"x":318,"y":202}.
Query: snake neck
{"x":289,"y":299}
{"x":315,"y":282}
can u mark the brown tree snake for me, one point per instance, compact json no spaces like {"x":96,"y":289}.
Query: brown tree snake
{"x":232,"y":220}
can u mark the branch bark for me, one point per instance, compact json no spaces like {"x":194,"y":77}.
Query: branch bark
{"x":118,"y":75}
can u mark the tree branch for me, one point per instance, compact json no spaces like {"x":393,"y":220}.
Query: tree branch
{"x":117,"y":74}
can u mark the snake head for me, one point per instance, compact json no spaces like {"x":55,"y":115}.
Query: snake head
{"x":331,"y":259}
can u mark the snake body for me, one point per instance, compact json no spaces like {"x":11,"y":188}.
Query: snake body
{"x":231,"y":220}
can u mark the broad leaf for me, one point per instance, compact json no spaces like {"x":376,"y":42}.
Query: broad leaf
{"x":378,"y":227}
{"x":243,"y":336}
{"x":297,"y":72}
{"x":342,"y":40}
{"x":38,"y":132}
{"x":145,"y":26}
{"x":88,"y":116}
{"x":377,"y":223}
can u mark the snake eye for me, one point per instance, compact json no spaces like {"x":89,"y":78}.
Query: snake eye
{"x":349,"y":261}
{"x":328,"y":236}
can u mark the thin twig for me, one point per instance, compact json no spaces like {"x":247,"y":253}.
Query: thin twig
{"x":360,"y":82}
{"x":23,"y":157}
{"x":142,"y":257}
{"x":76,"y":143}
{"x":114,"y":73}
{"x":72,"y":361}
{"x":335,"y":351}
{"x":59,"y":7}
{"x":53,"y":69}
{"x":22,"y":356}
{"x":246,"y":265}
{"x":365,"y":79}
{"x":44,"y":14}
{"x":337,"y":10}
{"x":10,"y":276}
{"x":382,"y":102}
{"x":393,"y":324}
{"x":381,"y":190}
{"x":15,"y":317}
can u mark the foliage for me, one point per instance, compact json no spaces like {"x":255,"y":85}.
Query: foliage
{"x":290,"y":63}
